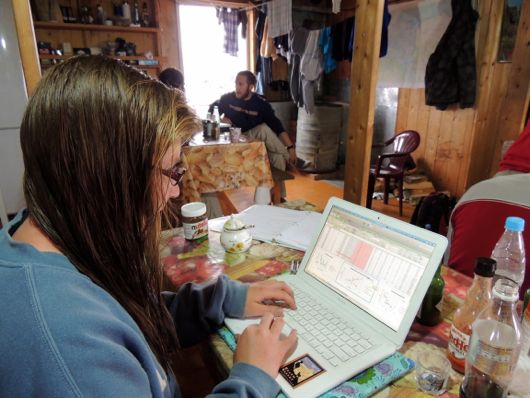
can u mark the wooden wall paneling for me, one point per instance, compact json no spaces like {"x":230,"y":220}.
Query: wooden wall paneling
{"x":443,"y":134}
{"x":501,"y":75}
{"x":515,"y":100}
{"x":363,"y":80}
{"x":451,"y":129}
{"x":462,"y":151}
{"x":402,"y":109}
{"x":56,"y":37}
{"x":483,"y":133}
{"x":419,"y":118}
{"x":27,"y":44}
{"x":143,"y":42}
{"x":169,"y":37}
{"x":431,"y":142}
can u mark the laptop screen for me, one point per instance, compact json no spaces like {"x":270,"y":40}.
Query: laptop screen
{"x":373,"y":265}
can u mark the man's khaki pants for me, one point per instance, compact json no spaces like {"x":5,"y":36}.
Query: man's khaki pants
{"x":278,"y":154}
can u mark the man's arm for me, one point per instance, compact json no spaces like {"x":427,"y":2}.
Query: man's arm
{"x":286,"y":140}
{"x":213,"y":105}
{"x":275,"y":124}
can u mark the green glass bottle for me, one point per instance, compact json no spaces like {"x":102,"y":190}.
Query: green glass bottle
{"x":430,"y":312}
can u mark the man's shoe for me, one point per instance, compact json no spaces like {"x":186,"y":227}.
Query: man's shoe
{"x":302,"y":164}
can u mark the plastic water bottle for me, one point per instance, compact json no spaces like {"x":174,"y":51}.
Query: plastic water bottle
{"x":509,"y":252}
{"x":525,"y":335}
{"x":494,"y":346}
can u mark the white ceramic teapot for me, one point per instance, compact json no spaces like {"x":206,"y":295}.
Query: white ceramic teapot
{"x":235,"y":236}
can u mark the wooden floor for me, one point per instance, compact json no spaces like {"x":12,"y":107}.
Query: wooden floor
{"x":317,"y":192}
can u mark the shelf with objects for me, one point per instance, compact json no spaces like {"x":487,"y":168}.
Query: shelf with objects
{"x":128,"y":32}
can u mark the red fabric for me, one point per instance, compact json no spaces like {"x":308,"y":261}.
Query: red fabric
{"x":477,"y":226}
{"x":517,"y":157}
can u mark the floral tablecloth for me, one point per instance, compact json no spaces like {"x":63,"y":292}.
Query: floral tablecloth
{"x":184,"y":261}
{"x":222,"y":166}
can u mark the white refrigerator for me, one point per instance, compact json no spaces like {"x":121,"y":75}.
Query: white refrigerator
{"x":13,"y":100}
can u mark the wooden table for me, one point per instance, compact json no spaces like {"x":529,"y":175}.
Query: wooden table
{"x":185,"y":262}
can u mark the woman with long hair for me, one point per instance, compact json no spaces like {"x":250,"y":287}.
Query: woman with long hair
{"x":82,"y":312}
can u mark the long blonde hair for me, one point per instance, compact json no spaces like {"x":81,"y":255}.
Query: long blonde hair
{"x":93,"y":136}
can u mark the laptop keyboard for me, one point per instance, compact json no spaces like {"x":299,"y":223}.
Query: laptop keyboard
{"x":335,"y":340}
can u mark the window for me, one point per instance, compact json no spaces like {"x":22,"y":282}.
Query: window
{"x":208,"y":71}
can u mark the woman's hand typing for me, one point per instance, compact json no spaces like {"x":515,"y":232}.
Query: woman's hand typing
{"x":264,"y":346}
{"x":269,"y":297}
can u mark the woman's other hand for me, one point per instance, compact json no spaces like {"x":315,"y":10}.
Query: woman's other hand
{"x":269,"y":297}
{"x":264,"y":346}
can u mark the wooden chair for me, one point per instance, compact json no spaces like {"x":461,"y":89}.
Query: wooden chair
{"x":279,"y":176}
{"x":391,"y":164}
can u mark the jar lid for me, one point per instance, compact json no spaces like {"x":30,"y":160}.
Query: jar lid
{"x":233,"y":224}
{"x":193,"y":209}
{"x":485,"y":266}
{"x":514,"y":224}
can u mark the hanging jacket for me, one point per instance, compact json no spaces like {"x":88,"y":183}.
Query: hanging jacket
{"x":451,"y":75}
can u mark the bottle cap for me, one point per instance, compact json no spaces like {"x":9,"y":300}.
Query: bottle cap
{"x":193,"y":209}
{"x":485,"y":266}
{"x":506,"y":290}
{"x":515,"y":224}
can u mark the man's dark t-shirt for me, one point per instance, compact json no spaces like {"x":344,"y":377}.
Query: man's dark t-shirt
{"x":250,"y":113}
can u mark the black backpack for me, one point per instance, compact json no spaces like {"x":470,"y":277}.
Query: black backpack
{"x":433,"y":211}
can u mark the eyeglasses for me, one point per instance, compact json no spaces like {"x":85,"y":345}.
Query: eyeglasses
{"x":176,"y":173}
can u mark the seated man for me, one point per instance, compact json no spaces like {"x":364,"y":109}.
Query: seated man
{"x":478,"y":219}
{"x":254,"y":115}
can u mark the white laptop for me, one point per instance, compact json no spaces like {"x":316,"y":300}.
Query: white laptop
{"x":358,"y":289}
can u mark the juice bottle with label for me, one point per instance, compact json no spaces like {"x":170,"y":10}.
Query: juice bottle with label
{"x":494,"y":346}
{"x":478,"y":296}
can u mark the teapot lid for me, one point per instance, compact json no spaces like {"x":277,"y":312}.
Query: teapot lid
{"x":233,"y":224}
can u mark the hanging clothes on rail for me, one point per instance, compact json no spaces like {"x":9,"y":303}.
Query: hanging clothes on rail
{"x":259,"y":29}
{"x":335,"y":6}
{"x":342,"y":35}
{"x":451,"y":76}
{"x":311,"y":67}
{"x":267,"y":48}
{"x":383,"y":49}
{"x":326,"y":45}
{"x":297,"y":41}
{"x":243,"y":20}
{"x":230,"y":20}
{"x":280,"y":17}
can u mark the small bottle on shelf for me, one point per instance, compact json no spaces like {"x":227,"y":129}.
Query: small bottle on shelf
{"x":126,"y":10}
{"x":477,"y":298}
{"x":145,"y":15}
{"x":136,"y":14}
{"x":494,"y":346}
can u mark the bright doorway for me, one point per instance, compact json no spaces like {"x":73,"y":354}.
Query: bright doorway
{"x":208,"y":71}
